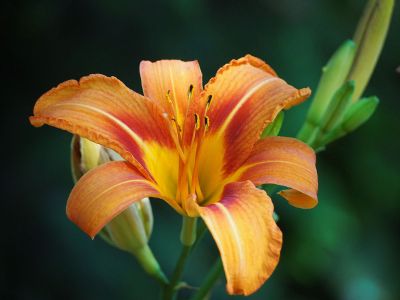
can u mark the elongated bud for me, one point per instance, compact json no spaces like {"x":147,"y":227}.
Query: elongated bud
{"x":369,"y":37}
{"x":274,"y":128}
{"x":338,"y":106}
{"x":359,"y":113}
{"x":356,"y":115}
{"x":130,"y":230}
{"x":146,"y":213}
{"x":333,"y":76}
{"x":127,"y":230}
{"x":335,"y":112}
{"x":86,"y":155}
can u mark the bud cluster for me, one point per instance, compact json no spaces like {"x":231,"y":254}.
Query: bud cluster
{"x":337,"y":109}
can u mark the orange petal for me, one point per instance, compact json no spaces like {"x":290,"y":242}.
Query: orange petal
{"x":104,"y":110}
{"x":246,"y":235}
{"x":288,"y":162}
{"x":104,"y":192}
{"x":173,"y":84}
{"x":246,"y":96}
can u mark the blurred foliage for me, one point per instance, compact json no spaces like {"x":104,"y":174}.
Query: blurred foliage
{"x":346,"y":248}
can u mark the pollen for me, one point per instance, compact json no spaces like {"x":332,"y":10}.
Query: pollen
{"x":209,"y":99}
{"x":190,"y":92}
{"x":168,"y":96}
{"x":206,"y":122}
{"x":196,"y":121}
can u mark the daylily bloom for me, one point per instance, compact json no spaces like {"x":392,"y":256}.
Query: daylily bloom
{"x":197,"y":149}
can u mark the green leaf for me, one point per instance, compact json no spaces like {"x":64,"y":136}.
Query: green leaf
{"x":274,"y":128}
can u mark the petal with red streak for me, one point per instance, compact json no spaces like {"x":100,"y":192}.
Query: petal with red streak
{"x":246,"y":235}
{"x":104,"y":192}
{"x":288,"y":162}
{"x":107,"y":112}
{"x":246,"y":96}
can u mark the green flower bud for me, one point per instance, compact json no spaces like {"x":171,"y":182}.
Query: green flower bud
{"x":335,"y":112}
{"x":356,"y":115}
{"x":274,"y":128}
{"x":359,"y":113}
{"x":370,"y":36}
{"x":130,"y":230}
{"x":333,"y":76}
{"x":127,"y":231}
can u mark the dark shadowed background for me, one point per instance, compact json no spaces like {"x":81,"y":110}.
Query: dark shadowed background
{"x":346,"y":248}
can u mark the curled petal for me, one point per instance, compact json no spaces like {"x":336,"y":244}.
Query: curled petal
{"x":246,"y":235}
{"x":104,"y":192}
{"x":103,"y":110}
{"x":288,"y":162}
{"x":246,"y":96}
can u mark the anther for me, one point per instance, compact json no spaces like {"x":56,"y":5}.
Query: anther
{"x":206,"y":122}
{"x":168,"y":95}
{"x":196,"y":121}
{"x":176,"y":124}
{"x":209,"y":99}
{"x":190,"y":92}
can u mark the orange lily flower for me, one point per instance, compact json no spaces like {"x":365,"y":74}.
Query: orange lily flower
{"x":197,"y":149}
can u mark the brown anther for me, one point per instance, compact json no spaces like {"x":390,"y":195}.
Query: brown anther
{"x":206,"y":122}
{"x":176,"y":124}
{"x":168,"y":95}
{"x":196,"y":121}
{"x":190,"y":92}
{"x":209,"y":99}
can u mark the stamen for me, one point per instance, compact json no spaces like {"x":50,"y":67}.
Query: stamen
{"x":176,"y":124}
{"x":209,"y":99}
{"x":175,"y":136}
{"x":190,"y":92}
{"x":206,"y":122}
{"x":196,"y":121}
{"x":172,"y":104}
{"x":168,"y":96}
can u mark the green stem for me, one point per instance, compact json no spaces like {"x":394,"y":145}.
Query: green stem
{"x":188,"y":237}
{"x":188,"y":231}
{"x":149,"y":263}
{"x":200,"y":233}
{"x":211,"y":279}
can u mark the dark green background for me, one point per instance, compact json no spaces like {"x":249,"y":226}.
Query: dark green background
{"x":346,"y":248}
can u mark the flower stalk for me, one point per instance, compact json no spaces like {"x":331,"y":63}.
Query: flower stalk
{"x":188,"y":231}
{"x":188,"y":239}
{"x":209,"y":282}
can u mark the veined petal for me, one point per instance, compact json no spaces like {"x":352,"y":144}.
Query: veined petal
{"x":246,"y":235}
{"x":174,"y":84}
{"x":284,"y":161}
{"x":246,"y":96}
{"x":104,"y":110}
{"x":104,"y":192}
